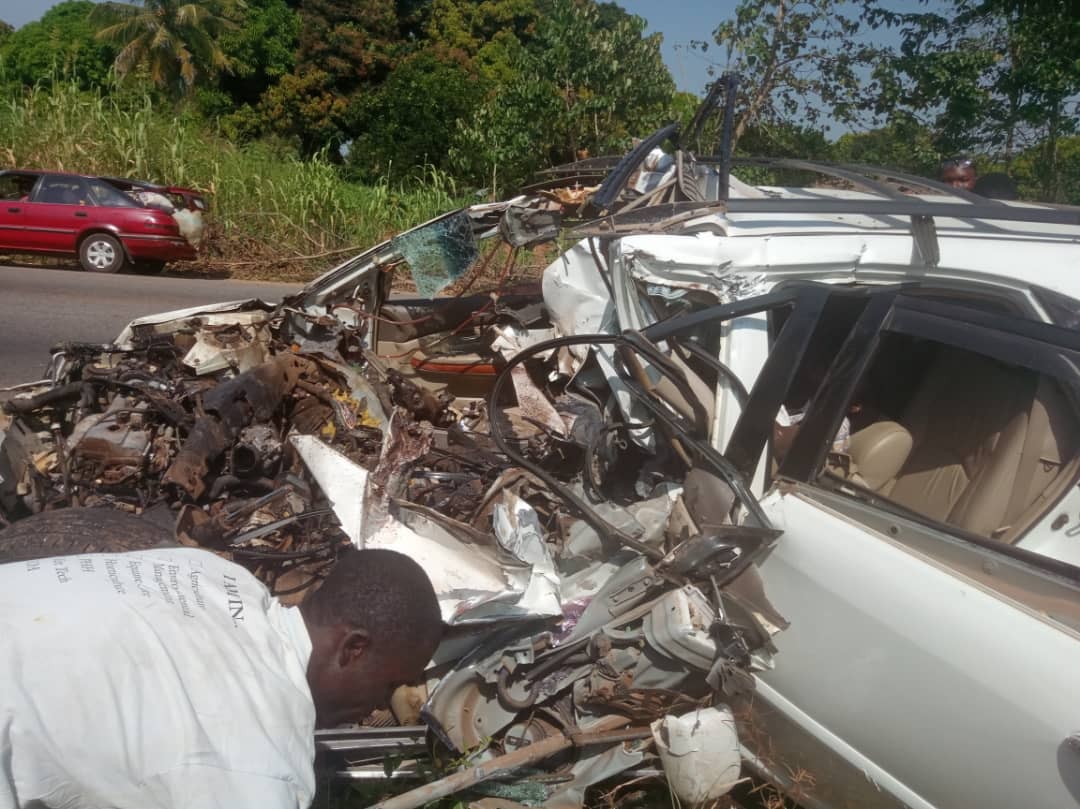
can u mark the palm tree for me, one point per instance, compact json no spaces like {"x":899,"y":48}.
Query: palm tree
{"x":176,"y":40}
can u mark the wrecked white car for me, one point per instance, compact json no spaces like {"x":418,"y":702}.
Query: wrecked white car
{"x":796,"y":461}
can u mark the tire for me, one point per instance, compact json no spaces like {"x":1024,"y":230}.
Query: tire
{"x":148,"y":267}
{"x":71,"y":531}
{"x":100,"y":252}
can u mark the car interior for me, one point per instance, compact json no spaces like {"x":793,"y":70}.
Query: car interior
{"x":976,"y":444}
{"x":16,"y":186}
{"x":62,"y":191}
{"x":954,"y":435}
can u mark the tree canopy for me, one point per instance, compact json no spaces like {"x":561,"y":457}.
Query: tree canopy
{"x":175,"y":42}
{"x":491,"y":90}
{"x":61,"y":45}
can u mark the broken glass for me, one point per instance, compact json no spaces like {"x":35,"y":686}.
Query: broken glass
{"x":438,"y":254}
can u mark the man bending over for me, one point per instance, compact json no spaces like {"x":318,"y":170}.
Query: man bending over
{"x":171,"y":678}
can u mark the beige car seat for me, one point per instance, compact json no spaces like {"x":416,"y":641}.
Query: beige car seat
{"x":878,"y":453}
{"x":980,"y":444}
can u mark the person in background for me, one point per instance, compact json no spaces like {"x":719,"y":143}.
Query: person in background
{"x":959,"y":172}
{"x":170,"y":678}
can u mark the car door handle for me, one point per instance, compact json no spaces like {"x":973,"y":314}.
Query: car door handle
{"x":81,"y":213}
{"x":13,"y":210}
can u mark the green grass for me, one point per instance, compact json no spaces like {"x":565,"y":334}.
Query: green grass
{"x":273,"y":214}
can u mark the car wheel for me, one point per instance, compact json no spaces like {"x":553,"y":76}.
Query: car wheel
{"x":100,"y":252}
{"x":148,"y":267}
{"x":71,"y":531}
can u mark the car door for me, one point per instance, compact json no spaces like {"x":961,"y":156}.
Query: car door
{"x":15,"y":188}
{"x":58,"y":211}
{"x":931,"y":661}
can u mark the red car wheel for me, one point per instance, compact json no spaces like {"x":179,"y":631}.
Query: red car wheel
{"x":100,"y":252}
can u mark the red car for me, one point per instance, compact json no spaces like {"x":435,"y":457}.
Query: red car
{"x":73,"y":215}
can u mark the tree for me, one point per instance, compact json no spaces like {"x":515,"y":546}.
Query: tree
{"x":902,"y":145}
{"x":579,"y":84}
{"x":307,"y":110}
{"x":1031,"y":171}
{"x":995,"y":76}
{"x":176,"y":42}
{"x":799,"y":61}
{"x":410,"y":119}
{"x":489,"y":34}
{"x":352,"y":42}
{"x":261,"y":48}
{"x":6,"y":30}
{"x":61,"y":44}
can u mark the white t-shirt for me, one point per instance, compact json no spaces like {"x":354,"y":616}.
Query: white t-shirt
{"x":167,"y":678}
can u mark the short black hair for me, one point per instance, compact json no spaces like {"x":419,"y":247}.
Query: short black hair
{"x":997,"y":185}
{"x":383,"y":592}
{"x":960,"y":160}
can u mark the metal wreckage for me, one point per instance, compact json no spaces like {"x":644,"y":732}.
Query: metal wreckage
{"x":550,"y":469}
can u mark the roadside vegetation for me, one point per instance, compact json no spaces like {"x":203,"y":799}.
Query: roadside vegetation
{"x":319,"y":126}
{"x":274,"y":214}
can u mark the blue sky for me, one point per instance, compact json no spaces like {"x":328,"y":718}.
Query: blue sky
{"x":681,"y":22}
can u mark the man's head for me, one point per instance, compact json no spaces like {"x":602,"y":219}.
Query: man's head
{"x":374,"y":625}
{"x":959,"y":172}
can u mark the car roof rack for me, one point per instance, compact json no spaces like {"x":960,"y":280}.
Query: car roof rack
{"x":894,"y":191}
{"x":980,"y":211}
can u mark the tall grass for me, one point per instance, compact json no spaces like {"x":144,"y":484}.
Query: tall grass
{"x":268,"y":206}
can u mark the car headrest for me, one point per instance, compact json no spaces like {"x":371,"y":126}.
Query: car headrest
{"x":880,"y":452}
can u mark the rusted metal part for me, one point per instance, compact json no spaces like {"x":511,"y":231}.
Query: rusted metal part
{"x":229,"y":407}
{"x":405,"y":442}
{"x":50,"y":397}
{"x":422,"y":404}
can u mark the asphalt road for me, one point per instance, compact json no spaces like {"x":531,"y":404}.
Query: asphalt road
{"x":42,"y":306}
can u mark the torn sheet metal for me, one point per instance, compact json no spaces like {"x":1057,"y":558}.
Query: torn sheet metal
{"x":343,"y":482}
{"x":472,"y":586}
{"x":701,"y":262}
{"x":236,"y":346}
{"x":520,"y":534}
{"x":576,"y":297}
{"x":248,"y":311}
{"x":579,"y":302}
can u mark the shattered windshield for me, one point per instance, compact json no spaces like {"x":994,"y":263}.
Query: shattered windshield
{"x":439,"y":253}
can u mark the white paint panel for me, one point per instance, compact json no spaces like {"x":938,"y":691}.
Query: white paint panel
{"x":963,"y":698}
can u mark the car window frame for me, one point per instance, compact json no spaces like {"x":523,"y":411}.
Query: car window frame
{"x":96,"y":198}
{"x":1040,"y":347}
{"x":807,"y":301}
{"x":40,"y":185}
{"x":33,"y":188}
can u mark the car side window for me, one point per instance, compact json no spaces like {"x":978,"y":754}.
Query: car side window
{"x":16,"y":186}
{"x":62,"y":191}
{"x":957,"y":436}
{"x":110,"y":197}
